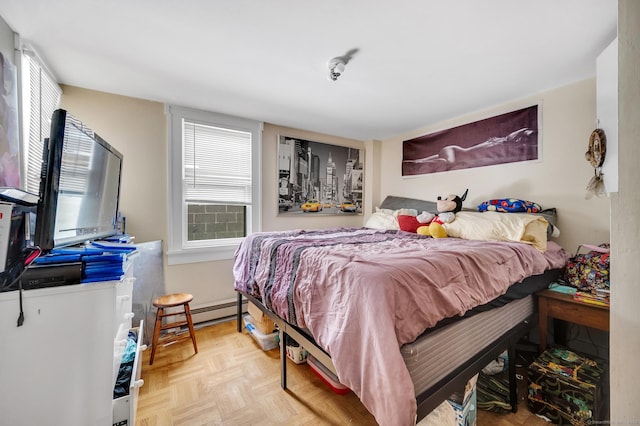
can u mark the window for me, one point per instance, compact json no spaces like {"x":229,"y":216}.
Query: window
{"x":214,"y":193}
{"x":40,"y":97}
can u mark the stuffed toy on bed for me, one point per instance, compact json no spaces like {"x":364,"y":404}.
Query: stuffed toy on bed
{"x":447,"y":210}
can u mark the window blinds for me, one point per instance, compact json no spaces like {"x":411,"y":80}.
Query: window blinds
{"x":41,"y":96}
{"x":216,"y":165}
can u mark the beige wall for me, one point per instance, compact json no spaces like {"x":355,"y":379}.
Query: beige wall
{"x":137,"y":128}
{"x":557,"y":180}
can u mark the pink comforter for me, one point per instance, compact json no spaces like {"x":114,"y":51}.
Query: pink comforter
{"x":364,"y":293}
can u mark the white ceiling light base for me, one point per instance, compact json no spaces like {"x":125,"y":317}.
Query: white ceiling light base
{"x":336,"y":68}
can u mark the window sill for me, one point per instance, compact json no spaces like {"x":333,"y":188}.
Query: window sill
{"x":206,"y":254}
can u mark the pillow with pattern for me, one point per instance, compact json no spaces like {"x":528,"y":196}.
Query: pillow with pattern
{"x":509,"y":205}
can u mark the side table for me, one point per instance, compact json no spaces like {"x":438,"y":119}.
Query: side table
{"x":552,"y":304}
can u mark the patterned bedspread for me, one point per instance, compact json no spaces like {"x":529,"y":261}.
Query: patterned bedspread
{"x":363,"y":293}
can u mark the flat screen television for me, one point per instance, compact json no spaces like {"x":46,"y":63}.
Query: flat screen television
{"x":79,"y":186}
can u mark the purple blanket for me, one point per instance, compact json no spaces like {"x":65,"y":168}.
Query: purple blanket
{"x":363,"y":293}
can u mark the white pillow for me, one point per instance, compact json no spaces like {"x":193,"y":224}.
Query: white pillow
{"x":382,"y":220}
{"x":494,"y":226}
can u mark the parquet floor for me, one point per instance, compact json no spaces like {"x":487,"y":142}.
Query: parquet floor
{"x":231,"y":381}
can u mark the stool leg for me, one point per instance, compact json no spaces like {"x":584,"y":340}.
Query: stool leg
{"x":156,"y":333}
{"x":187,"y":312}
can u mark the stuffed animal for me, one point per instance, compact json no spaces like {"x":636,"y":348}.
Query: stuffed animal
{"x":447,"y":209}
{"x":433,"y":229}
{"x":452,"y":203}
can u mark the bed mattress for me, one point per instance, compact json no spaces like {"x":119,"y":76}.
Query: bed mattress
{"x":433,"y":356}
{"x":321,"y":280}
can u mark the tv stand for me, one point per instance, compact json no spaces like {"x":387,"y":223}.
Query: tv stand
{"x":60,"y":366}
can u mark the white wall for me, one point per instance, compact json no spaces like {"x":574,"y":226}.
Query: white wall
{"x":557,"y":180}
{"x":625,"y":226}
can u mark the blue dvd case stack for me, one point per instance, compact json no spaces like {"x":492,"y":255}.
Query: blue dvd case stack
{"x":101,"y":260}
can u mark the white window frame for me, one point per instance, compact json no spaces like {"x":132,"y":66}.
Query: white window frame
{"x":181,"y":251}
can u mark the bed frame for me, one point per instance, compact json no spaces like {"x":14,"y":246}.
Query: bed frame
{"x":459,"y":375}
{"x":429,"y":399}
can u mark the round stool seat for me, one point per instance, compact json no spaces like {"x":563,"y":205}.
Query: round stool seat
{"x":171,"y":300}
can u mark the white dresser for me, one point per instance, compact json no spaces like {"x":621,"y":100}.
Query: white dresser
{"x":59,"y":367}
{"x":124,"y":407}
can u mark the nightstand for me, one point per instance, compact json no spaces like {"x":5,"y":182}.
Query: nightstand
{"x":552,"y":304}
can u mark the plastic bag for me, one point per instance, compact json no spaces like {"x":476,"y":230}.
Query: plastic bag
{"x":589,"y":271}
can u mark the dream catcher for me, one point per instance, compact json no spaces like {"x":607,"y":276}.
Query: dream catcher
{"x":595,"y":155}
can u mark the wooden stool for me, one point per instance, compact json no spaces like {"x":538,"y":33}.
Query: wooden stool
{"x":171,"y":301}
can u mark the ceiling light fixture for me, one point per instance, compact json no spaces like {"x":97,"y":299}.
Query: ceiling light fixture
{"x":338,"y":64}
{"x":336,"y":67}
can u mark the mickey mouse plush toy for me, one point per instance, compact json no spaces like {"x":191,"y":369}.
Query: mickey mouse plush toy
{"x":447,"y":210}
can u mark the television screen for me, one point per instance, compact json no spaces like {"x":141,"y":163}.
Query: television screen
{"x":79,"y":187}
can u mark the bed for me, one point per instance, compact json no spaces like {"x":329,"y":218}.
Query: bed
{"x":403,"y":320}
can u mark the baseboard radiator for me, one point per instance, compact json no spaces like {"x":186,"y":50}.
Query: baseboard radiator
{"x":218,"y":311}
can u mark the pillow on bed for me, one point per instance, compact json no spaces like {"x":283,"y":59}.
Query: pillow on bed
{"x":382,"y":219}
{"x":494,"y":226}
{"x":550,"y":215}
{"x":509,"y":205}
{"x":409,"y":223}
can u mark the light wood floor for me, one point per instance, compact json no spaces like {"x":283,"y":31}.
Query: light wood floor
{"x":231,"y":381}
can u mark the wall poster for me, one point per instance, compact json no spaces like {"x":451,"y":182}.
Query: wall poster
{"x":319,"y":178}
{"x":505,"y":138}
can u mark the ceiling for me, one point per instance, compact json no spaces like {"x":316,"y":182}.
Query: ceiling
{"x":418,"y":62}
